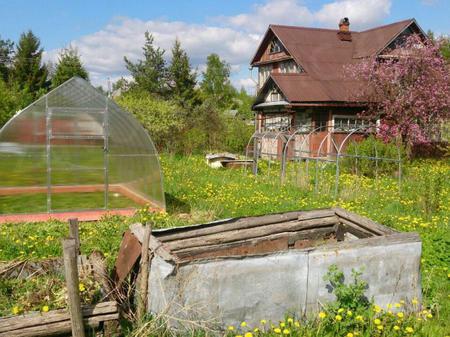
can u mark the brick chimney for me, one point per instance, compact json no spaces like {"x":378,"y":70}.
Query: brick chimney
{"x":344,"y":33}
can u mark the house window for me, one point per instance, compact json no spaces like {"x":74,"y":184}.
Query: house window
{"x":264,"y":72}
{"x":342,"y":123}
{"x":303,"y":120}
{"x":275,"y":46}
{"x":290,"y":67}
{"x":277,"y":123}
{"x":273,"y":95}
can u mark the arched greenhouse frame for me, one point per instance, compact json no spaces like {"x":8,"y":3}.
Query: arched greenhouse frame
{"x":76,"y":152}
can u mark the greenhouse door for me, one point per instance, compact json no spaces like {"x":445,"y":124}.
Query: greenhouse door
{"x":77,"y":159}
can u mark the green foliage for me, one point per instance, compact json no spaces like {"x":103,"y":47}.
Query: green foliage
{"x":6,"y":53}
{"x":149,"y":74}
{"x":162,"y":118}
{"x":372,"y":147}
{"x":28,"y":73}
{"x":181,"y":78}
{"x":350,"y":296}
{"x":11,"y":100}
{"x":69,"y":65}
{"x":216,"y":83}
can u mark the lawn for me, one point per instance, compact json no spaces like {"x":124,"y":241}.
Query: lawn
{"x":197,"y":193}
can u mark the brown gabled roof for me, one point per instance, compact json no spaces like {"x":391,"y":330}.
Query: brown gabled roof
{"x":324,"y":57}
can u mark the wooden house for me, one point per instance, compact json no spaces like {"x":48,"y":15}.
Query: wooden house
{"x":302,"y":85}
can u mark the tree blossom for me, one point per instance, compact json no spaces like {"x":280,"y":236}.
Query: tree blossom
{"x":407,"y":88}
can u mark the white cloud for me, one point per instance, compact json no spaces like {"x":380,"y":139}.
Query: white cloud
{"x":362,"y":14}
{"x":234,"y":38}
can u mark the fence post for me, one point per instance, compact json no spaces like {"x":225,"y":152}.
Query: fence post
{"x":144,"y":272}
{"x":75,"y":234}
{"x":72,"y":284}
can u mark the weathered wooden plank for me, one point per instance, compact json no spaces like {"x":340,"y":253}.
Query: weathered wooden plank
{"x":364,"y":222}
{"x":129,"y":252}
{"x":253,"y":232}
{"x":240,"y":223}
{"x":355,"y":229}
{"x":289,"y":237}
{"x":155,"y":245}
{"x":54,"y":316}
{"x":58,"y":328}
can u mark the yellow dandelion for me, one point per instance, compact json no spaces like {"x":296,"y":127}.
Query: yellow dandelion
{"x":360,"y":318}
{"x":297,"y":324}
{"x":15,"y":310}
{"x":286,"y":332}
{"x":243,"y":324}
{"x":263,"y":321}
{"x":396,"y":327}
{"x":409,"y":329}
{"x":248,"y":334}
{"x":338,"y":318}
{"x":400,"y":315}
{"x":349,"y":313}
{"x":282,"y":324}
{"x":340,"y":310}
{"x":277,"y":330}
{"x":376,"y":308}
{"x":377,"y":321}
{"x":45,"y":308}
{"x":398,"y":305}
{"x":256,"y":330}
{"x":81,"y":287}
{"x":415,"y":301}
{"x":290,"y":320}
{"x":429,"y":316}
{"x":380,"y":327}
{"x":231,"y":328}
{"x":322,"y":315}
{"x":350,"y":334}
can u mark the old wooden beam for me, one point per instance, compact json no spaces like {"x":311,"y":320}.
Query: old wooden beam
{"x":364,"y":222}
{"x":243,"y":223}
{"x":72,"y":284}
{"x":253,"y":232}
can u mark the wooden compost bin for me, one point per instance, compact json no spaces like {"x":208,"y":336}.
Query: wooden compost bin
{"x":264,"y":267}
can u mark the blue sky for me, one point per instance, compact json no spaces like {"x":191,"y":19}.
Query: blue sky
{"x":104,"y":31}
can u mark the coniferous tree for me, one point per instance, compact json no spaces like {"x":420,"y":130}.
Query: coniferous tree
{"x":69,"y":65}
{"x":216,"y":81}
{"x":182,"y":79}
{"x":28,"y":71}
{"x":6,"y":53}
{"x":149,"y":74}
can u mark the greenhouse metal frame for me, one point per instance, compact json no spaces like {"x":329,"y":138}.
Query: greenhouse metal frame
{"x":74,"y":143}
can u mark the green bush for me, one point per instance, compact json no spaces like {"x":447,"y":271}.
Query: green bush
{"x":360,"y":157}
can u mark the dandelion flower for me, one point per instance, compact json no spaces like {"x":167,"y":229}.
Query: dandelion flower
{"x":263,"y":321}
{"x":322,"y":315}
{"x":429,"y":316}
{"x":398,"y":305}
{"x":277,"y":330}
{"x":380,"y":327}
{"x":338,"y":318}
{"x":400,"y":315}
{"x":243,"y":324}
{"x":282,"y":324}
{"x":231,"y":328}
{"x":248,"y":334}
{"x":15,"y":310}
{"x":340,"y":310}
{"x":256,"y":330}
{"x":81,"y":287}
{"x":45,"y":308}
{"x":377,"y":321}
{"x":286,"y":331}
{"x":376,"y":308}
{"x":409,"y":329}
{"x":360,"y":318}
{"x":350,"y":334}
{"x":297,"y":324}
{"x":415,"y":301}
{"x":349,"y":313}
{"x":396,"y":327}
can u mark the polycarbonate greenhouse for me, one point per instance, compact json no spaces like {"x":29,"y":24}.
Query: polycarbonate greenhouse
{"x":75,"y":149}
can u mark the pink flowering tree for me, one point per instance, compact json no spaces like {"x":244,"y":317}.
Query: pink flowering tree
{"x":407,"y":89}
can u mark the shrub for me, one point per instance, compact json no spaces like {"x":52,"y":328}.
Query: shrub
{"x":361,"y":157}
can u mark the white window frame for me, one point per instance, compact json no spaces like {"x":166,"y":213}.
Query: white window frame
{"x":355,"y":126}
{"x":275,"y":43}
{"x":263,"y":74}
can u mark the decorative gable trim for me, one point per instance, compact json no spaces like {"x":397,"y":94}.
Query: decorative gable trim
{"x":412,"y":22}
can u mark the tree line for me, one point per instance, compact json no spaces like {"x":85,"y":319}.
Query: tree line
{"x":183,"y":110}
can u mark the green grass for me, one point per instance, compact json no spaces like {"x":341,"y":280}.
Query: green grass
{"x":197,"y":193}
